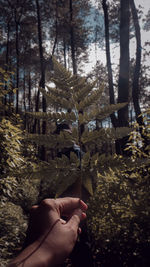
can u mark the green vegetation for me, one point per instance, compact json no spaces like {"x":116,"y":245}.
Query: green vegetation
{"x":119,"y":186}
{"x":119,"y":210}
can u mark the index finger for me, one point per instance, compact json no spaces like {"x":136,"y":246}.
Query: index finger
{"x":68,"y":204}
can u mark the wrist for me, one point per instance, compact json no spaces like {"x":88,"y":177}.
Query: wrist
{"x":35,"y":255}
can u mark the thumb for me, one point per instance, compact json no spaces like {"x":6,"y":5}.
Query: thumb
{"x":75,"y":219}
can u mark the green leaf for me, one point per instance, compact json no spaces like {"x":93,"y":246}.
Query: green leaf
{"x":87,"y":183}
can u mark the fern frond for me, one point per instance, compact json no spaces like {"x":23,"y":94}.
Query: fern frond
{"x":61,"y":73}
{"x":89,"y":100}
{"x":84,"y":91}
{"x":74,"y":161}
{"x":56,"y":117}
{"x":87,"y":182}
{"x":57,"y":101}
{"x":65,"y":180}
{"x":104,"y":134}
{"x":85,"y":160}
{"x":51,"y":141}
{"x":92,"y":137}
{"x":59,"y":91}
{"x":100,"y":114}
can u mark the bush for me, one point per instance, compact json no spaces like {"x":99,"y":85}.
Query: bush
{"x":119,"y":211}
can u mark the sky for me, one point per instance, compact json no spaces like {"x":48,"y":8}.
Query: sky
{"x":99,"y":54}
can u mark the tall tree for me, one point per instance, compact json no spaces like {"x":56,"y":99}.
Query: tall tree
{"x":123,"y":83}
{"x":108,"y":57}
{"x":137,"y":67}
{"x":72,"y":38}
{"x":17,"y":9}
{"x":42,"y":81}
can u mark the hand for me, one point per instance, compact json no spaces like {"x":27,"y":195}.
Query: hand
{"x":52,"y":238}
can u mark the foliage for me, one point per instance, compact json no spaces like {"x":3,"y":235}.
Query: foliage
{"x":72,"y":97}
{"x":137,"y":138}
{"x":17,"y":193}
{"x":13,"y":225}
{"x":118,"y":216}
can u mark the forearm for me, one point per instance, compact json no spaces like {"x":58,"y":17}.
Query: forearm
{"x":34,"y":256}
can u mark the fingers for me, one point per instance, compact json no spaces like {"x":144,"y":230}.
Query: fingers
{"x":60,"y":207}
{"x":68,"y":204}
{"x":33,"y":208}
{"x":77,"y":216}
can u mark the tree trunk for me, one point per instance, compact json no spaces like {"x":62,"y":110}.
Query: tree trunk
{"x":24,"y":99}
{"x":37,"y":100}
{"x":29,"y":92}
{"x":72,"y":40}
{"x":64,"y":50}
{"x":17,"y":66}
{"x":137,"y":68}
{"x":42,"y":81}
{"x":123,"y":84}
{"x":7,"y":47}
{"x":108,"y":58}
{"x":7,"y":56}
{"x":136,"y":74}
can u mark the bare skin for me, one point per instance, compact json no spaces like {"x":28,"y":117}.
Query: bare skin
{"x":51,"y":238}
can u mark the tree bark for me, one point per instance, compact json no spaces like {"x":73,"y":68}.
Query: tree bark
{"x":123,"y":84}
{"x":42,"y":81}
{"x":18,"y":15}
{"x":137,"y":68}
{"x":136,"y":74}
{"x":29,"y":91}
{"x":7,"y":54}
{"x":37,"y":100}
{"x":72,"y":40}
{"x":17,"y":66}
{"x":108,"y":58}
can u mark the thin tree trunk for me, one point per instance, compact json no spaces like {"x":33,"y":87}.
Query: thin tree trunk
{"x":136,"y":74}
{"x":24,"y":91}
{"x":7,"y":47}
{"x":64,"y":50}
{"x":72,"y":40}
{"x":123,"y":84}
{"x":137,"y":68}
{"x":7,"y":56}
{"x":42,"y":81}
{"x":17,"y":67}
{"x":29,"y":93}
{"x":24,"y":99}
{"x":108,"y":58}
{"x":37,"y":100}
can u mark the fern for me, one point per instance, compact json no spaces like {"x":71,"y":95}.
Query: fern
{"x":73,"y":96}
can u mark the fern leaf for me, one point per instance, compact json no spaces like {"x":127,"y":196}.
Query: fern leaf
{"x":84,"y":91}
{"x":65,"y":180}
{"x":63,"y":93}
{"x":78,"y":83}
{"x":85,"y":160}
{"x":89,"y":100}
{"x":56,"y":117}
{"x":74,"y":160}
{"x":102,"y":113}
{"x":92,"y":137}
{"x":51,"y":141}
{"x":87,"y":183}
{"x":57,"y":101}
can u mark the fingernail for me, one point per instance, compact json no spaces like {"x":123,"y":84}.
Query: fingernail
{"x":83,"y":205}
{"x":83,"y":215}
